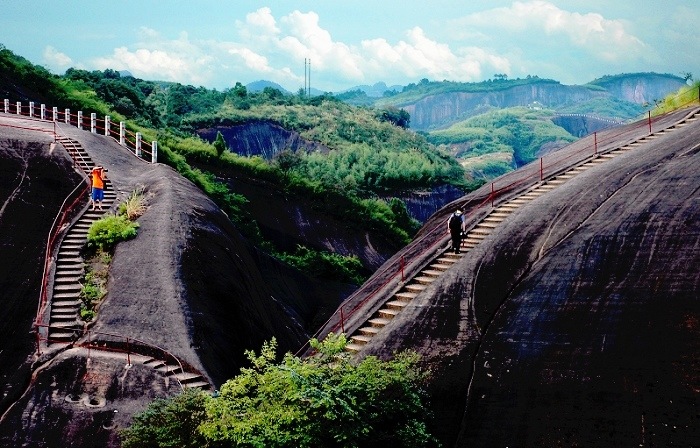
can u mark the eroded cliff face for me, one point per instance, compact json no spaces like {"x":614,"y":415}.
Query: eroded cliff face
{"x":260,"y":138}
{"x":643,"y":88}
{"x":441,"y":110}
{"x":438,"y":111}
{"x":34,"y":180}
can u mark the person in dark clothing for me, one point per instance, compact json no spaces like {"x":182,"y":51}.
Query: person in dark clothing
{"x":455,"y":225}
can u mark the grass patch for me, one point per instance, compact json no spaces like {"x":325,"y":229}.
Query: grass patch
{"x":135,"y":204}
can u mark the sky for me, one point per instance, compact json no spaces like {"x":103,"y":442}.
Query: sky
{"x":355,"y":42}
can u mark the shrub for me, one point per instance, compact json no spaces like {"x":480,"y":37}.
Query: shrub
{"x":169,"y":422}
{"x":109,"y":230}
{"x":134,"y":206}
{"x":87,"y":314}
{"x":326,"y":265}
{"x":322,"y":401}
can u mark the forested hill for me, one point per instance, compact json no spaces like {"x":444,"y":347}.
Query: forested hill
{"x":355,"y":165}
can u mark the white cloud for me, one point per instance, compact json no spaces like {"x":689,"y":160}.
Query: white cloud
{"x":156,"y":64}
{"x":543,"y":21}
{"x":55,"y":59}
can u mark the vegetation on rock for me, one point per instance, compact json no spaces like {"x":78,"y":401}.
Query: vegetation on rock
{"x":325,"y":400}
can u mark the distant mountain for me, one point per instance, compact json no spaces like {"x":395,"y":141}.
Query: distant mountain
{"x":438,"y":105}
{"x":258,"y":86}
{"x":375,"y":90}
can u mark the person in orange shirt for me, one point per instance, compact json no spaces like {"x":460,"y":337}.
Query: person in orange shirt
{"x":97,"y":178}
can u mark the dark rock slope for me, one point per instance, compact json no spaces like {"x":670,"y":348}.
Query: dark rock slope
{"x":33,"y":183}
{"x":576,"y":322}
{"x":188,"y":283}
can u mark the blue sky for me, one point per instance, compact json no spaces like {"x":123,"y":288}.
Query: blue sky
{"x":352,"y":42}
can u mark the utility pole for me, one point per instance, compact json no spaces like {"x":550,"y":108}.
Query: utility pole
{"x":307,"y":77}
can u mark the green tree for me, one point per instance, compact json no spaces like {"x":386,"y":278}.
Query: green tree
{"x":170,"y":423}
{"x":220,"y":143}
{"x":321,"y":401}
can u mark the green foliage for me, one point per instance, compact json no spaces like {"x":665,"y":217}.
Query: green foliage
{"x":518,"y":133}
{"x":682,"y":98}
{"x":170,"y":423}
{"x":395,"y":116}
{"x":321,"y":401}
{"x":104,"y":233}
{"x":134,"y":205}
{"x":94,"y":283}
{"x":326,"y":265}
{"x":220,"y":144}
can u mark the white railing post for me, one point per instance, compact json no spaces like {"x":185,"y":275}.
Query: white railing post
{"x":107,"y":125}
{"x":55,"y":113}
{"x":7,"y":106}
{"x":80,"y":119}
{"x":67,"y":116}
{"x":122,"y":134}
{"x":31,"y":109}
{"x":43,"y":111}
{"x":138,"y":144}
{"x":93,"y":122}
{"x":154,"y":151}
{"x":19,"y":108}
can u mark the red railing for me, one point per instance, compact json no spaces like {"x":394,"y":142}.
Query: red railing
{"x":116,"y":343}
{"x":527,"y":176}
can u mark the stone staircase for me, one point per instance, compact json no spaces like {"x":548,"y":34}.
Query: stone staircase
{"x":65,"y":324}
{"x":446,"y":259}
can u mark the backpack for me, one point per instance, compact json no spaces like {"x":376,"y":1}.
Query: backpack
{"x":455,"y":222}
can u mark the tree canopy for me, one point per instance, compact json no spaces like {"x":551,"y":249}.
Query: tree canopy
{"x":326,"y":400}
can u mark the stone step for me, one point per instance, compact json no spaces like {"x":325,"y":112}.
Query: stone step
{"x":501,"y":213}
{"x":446,"y":260}
{"x":396,"y":304}
{"x":495,"y":218}
{"x":360,"y":339}
{"x":480,"y":230}
{"x":388,"y":313}
{"x":425,"y":280}
{"x":64,"y":311}
{"x":379,"y":322}
{"x":415,"y":287}
{"x":441,"y":266}
{"x":65,"y":279}
{"x":432,"y":273}
{"x":65,"y":296}
{"x":369,"y":331}
{"x":197,"y":385}
{"x":452,"y":256}
{"x":64,"y":319}
{"x":59,"y":335}
{"x":69,"y":271}
{"x":187,"y":378}
{"x":353,"y":348}
{"x":406,"y":296}
{"x":72,"y":323}
{"x":67,"y":288}
{"x":67,"y":303}
{"x":168,"y":369}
